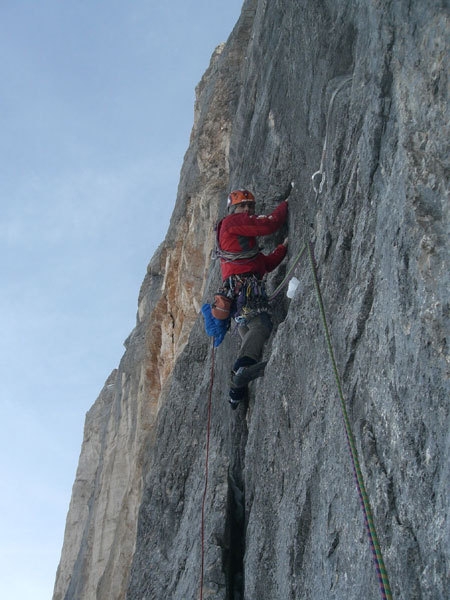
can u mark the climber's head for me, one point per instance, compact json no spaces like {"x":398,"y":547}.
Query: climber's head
{"x":241,"y":201}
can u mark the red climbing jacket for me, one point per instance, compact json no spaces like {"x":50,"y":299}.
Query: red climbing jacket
{"x":238,"y":248}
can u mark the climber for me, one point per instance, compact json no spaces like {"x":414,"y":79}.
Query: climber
{"x":243,"y":267}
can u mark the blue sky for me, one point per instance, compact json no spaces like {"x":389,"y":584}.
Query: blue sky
{"x":96,"y":110}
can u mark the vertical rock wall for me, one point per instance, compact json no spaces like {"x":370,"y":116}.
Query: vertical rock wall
{"x":282,"y":515}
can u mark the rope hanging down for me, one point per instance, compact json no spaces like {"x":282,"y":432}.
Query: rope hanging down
{"x":383,"y":579}
{"x":208,"y":431}
{"x":318,"y":179}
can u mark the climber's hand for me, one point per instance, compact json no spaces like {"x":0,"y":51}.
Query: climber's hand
{"x":285,"y":242}
{"x":285,"y":195}
{"x":287,"y":191}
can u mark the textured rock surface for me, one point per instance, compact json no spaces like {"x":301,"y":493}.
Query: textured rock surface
{"x":282,"y":515}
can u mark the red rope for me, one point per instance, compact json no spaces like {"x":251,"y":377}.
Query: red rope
{"x":208,"y":431}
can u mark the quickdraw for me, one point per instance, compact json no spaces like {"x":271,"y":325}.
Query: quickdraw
{"x":249,"y":296}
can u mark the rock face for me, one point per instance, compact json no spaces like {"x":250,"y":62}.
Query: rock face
{"x":362,"y":89}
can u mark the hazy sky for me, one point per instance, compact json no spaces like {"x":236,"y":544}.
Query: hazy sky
{"x":96,"y":110}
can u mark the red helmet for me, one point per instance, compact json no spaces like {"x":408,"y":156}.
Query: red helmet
{"x":239,"y":196}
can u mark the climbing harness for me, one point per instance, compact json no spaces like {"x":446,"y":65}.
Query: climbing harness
{"x":383,"y":579}
{"x":247,"y":297}
{"x":208,"y":435}
{"x":251,"y":297}
{"x":318,"y":178}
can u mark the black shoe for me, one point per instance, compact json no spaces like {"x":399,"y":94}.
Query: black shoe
{"x":237,"y":395}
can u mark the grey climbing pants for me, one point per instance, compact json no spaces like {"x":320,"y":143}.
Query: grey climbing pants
{"x":254,"y":335}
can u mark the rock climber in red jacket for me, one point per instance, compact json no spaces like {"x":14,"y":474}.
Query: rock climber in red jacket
{"x":243,"y":267}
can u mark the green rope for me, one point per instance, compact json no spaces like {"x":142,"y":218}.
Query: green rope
{"x":368,"y":515}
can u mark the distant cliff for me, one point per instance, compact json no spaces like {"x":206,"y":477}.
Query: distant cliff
{"x":361,"y":89}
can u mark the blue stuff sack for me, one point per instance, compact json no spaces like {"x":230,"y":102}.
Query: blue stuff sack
{"x":214,"y":327}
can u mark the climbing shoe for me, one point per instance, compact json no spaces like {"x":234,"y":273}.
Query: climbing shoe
{"x":245,"y":369}
{"x":237,"y":394}
{"x":233,"y":403}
